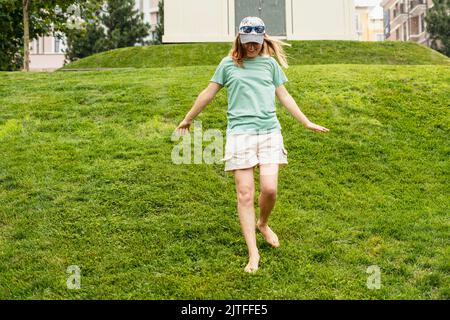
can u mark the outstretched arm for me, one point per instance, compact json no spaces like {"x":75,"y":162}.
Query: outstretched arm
{"x":290,"y":104}
{"x":203,"y":99}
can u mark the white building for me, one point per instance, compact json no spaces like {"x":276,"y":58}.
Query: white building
{"x":218,"y":20}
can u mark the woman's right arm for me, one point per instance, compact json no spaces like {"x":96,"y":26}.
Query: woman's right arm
{"x":203,"y":99}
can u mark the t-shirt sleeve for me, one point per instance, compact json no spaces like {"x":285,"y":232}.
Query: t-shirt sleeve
{"x":278,"y":74}
{"x":220,"y":75}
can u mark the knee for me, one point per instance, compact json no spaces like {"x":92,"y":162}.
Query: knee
{"x":269,"y":192}
{"x":246,"y":195}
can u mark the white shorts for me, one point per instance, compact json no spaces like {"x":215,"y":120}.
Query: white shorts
{"x":246,"y":150}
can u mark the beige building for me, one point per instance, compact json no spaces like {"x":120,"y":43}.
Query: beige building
{"x":405,"y":20}
{"x":47,"y":53}
{"x":218,"y":20}
{"x":369,"y":20}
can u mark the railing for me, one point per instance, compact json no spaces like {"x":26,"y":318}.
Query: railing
{"x":417,"y":7}
{"x":399,"y":9}
{"x":415,"y":3}
{"x":409,"y":14}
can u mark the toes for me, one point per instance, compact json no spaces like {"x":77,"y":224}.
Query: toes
{"x":251,"y":269}
{"x":271,"y":237}
{"x":252,"y":266}
{"x":275,"y":241}
{"x":274,"y":244}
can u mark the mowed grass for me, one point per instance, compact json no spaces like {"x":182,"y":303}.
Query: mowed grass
{"x":86,"y":179}
{"x":300,"y":53}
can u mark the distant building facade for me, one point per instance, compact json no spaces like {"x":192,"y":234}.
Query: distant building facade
{"x":47,"y":53}
{"x":405,"y":20}
{"x":150,"y":10}
{"x":369,"y":20}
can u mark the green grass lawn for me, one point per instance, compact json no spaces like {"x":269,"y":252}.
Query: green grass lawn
{"x":86,"y":179}
{"x":301,"y":53}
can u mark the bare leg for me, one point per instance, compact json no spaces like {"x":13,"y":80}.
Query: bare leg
{"x":268,"y":185}
{"x":245,"y":189}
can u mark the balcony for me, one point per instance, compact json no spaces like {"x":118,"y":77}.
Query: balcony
{"x":399,"y":19}
{"x":414,"y":3}
{"x":419,"y":38}
{"x":387,"y":3}
{"x":417,"y":7}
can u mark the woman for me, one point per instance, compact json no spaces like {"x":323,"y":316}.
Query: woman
{"x":253,"y":78}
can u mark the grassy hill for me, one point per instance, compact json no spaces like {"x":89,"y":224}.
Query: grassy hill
{"x":86,"y":179}
{"x":301,"y":53}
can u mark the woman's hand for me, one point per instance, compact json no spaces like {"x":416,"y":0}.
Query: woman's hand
{"x":316,"y":127}
{"x":183,"y":127}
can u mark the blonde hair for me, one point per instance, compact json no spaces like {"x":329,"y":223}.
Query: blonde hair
{"x":270,"y":47}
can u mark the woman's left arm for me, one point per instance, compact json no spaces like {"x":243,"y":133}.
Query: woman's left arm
{"x":290,"y":104}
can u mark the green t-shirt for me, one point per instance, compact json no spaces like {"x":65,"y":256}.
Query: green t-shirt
{"x":251,"y":93}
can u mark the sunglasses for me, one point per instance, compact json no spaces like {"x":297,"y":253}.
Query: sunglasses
{"x":248,"y":29}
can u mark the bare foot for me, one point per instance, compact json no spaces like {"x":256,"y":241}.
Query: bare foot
{"x":269,"y":235}
{"x":252,"y":265}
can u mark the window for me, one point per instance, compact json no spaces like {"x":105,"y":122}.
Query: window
{"x":57,"y":45}
{"x":358,"y":22}
{"x":387,"y":23}
{"x":37,"y":45}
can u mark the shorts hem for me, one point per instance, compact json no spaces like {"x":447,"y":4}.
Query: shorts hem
{"x":248,"y":166}
{"x":240,"y":166}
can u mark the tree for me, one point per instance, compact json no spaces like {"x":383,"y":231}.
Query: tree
{"x":124,"y":24}
{"x":10,"y":36}
{"x":26,"y":34}
{"x":160,"y":26}
{"x":21,"y":21}
{"x":83,"y":40}
{"x":438,"y":26}
{"x":116,"y":25}
{"x":47,"y":19}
